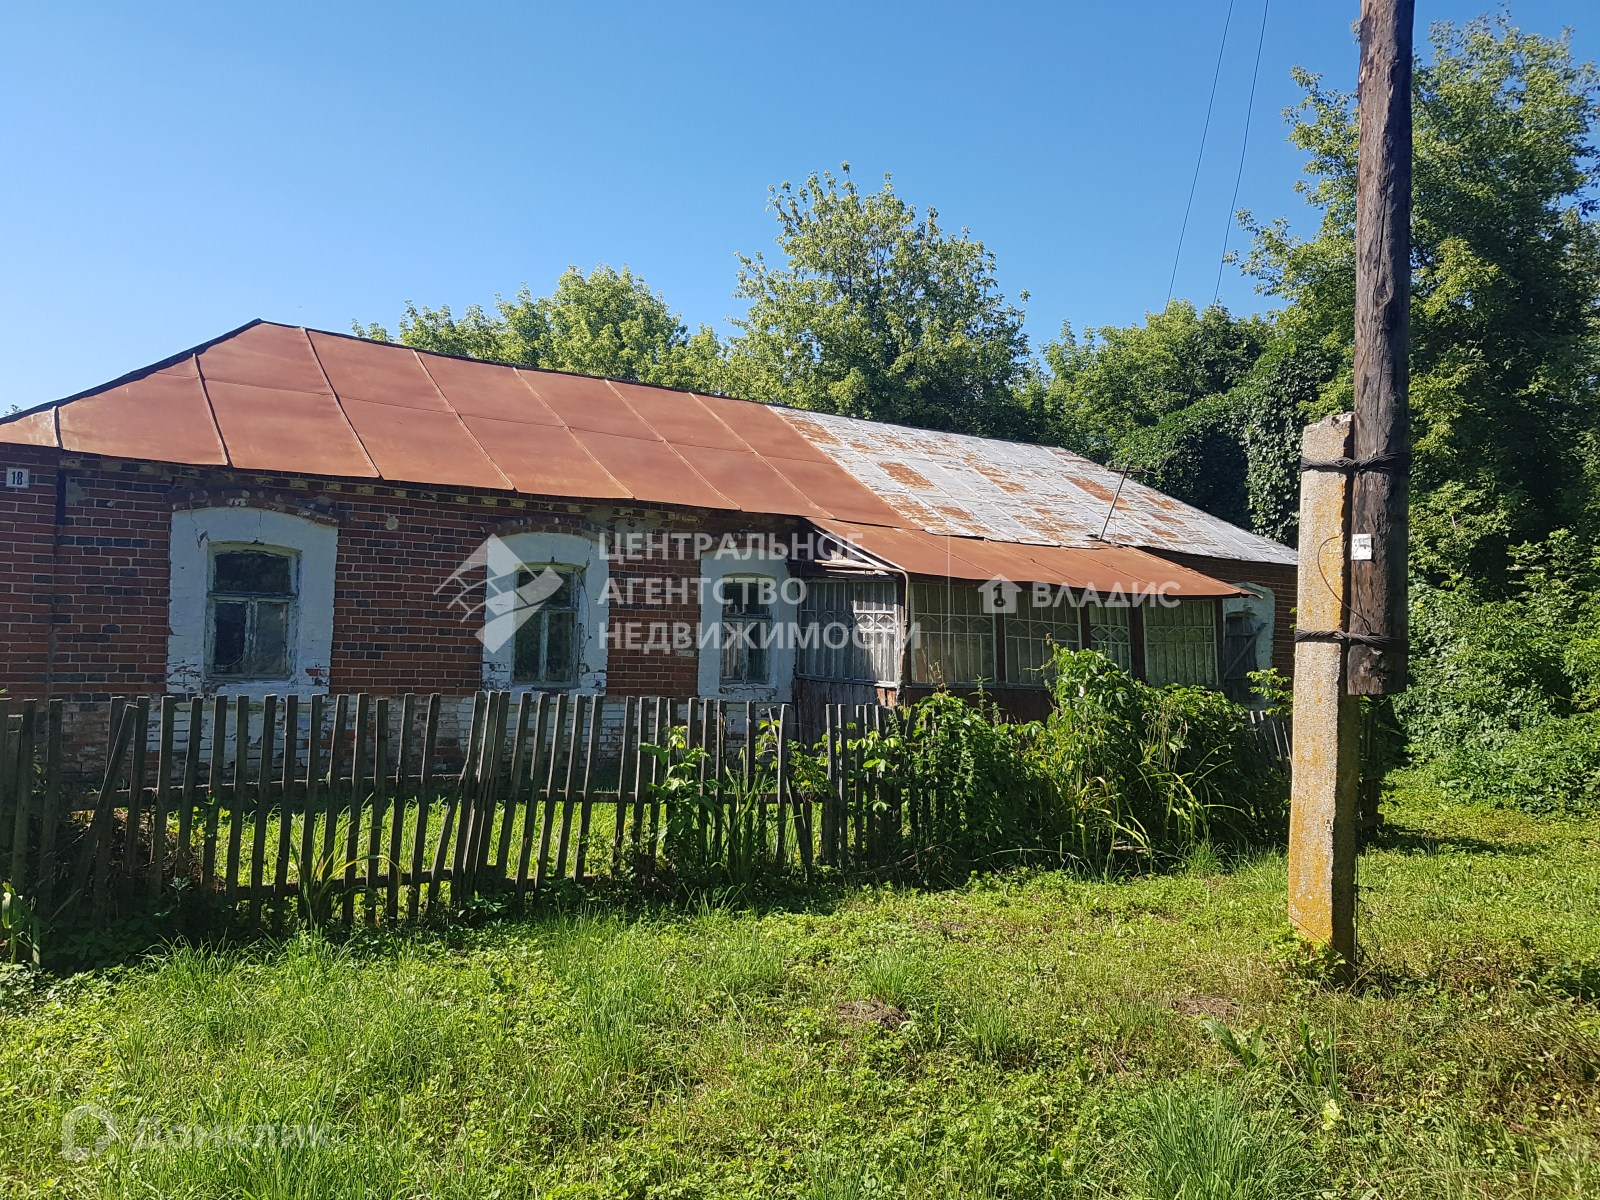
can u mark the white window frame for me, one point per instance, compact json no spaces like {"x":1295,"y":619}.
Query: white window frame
{"x":539,"y":619}
{"x":533,"y":551}
{"x":748,"y":564}
{"x":316,"y":547}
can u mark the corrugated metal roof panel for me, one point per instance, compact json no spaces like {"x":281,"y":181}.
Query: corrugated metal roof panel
{"x":265,"y":356}
{"x":679,"y":417}
{"x":487,"y":390}
{"x":763,"y":430}
{"x":1103,"y":568}
{"x":419,"y":446}
{"x":279,"y":430}
{"x":30,"y":429}
{"x":832,"y":490}
{"x":430,"y":418}
{"x":163,"y":416}
{"x":1006,"y":491}
{"x":584,"y":403}
{"x":748,"y":480}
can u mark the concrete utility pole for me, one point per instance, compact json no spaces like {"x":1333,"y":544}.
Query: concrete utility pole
{"x":1350,"y":636}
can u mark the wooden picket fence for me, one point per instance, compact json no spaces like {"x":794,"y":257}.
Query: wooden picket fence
{"x":345,"y":809}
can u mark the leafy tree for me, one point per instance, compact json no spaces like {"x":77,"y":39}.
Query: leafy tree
{"x":1506,"y":276}
{"x":1117,"y":380}
{"x":878,"y":313}
{"x":607,"y":323}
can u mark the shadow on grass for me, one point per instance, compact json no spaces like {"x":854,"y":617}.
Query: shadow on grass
{"x":191,"y":918}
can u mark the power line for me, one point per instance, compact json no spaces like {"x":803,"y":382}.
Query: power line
{"x":1199,"y":158}
{"x":1244,"y":145}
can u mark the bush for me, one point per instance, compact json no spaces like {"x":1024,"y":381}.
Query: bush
{"x":1163,"y":767}
{"x":1502,"y":701}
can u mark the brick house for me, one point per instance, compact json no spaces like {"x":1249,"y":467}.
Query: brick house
{"x":287,"y":510}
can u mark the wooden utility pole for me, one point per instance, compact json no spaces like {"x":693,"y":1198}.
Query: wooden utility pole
{"x":1377,"y":662}
{"x":1350,"y":639}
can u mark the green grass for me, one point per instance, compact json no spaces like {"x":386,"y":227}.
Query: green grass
{"x":1028,"y":1035}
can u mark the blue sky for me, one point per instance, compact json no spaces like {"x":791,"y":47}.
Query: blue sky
{"x":175,"y":170}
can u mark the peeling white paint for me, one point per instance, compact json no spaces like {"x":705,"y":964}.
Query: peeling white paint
{"x":715,"y":570}
{"x":316,"y":545}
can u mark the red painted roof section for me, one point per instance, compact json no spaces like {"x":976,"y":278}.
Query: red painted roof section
{"x":977,"y":560}
{"x":163,"y":416}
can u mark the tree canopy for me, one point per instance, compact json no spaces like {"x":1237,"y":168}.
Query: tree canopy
{"x":1505,"y":283}
{"x":878,"y":312}
{"x":606,"y":323}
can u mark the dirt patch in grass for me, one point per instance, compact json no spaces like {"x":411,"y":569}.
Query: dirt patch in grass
{"x":1205,"y":1006}
{"x":870,"y":1012}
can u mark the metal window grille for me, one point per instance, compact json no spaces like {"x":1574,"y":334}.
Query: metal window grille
{"x":546,"y":646}
{"x":1109,"y":634}
{"x":250,"y":612}
{"x":849,"y":629}
{"x":1180,"y":644}
{"x":1032,"y":634}
{"x":956,"y":637}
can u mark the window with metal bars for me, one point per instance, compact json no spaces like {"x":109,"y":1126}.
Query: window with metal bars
{"x":250,"y":604}
{"x":1032,"y":634}
{"x":955,"y":642}
{"x":1180,"y":644}
{"x":849,"y":629}
{"x":1110,"y":634}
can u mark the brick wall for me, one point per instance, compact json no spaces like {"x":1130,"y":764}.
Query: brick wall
{"x":100,"y":579}
{"x":84,"y":578}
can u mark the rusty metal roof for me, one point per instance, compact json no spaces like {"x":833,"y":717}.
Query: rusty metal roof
{"x":280,"y":398}
{"x":974,"y":487}
{"x":1104,"y":568}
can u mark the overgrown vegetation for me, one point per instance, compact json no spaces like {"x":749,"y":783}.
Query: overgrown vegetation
{"x":1119,"y":773}
{"x":1037,"y":1033}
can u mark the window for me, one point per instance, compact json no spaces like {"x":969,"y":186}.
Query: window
{"x":956,"y":637}
{"x":1031,"y":637}
{"x":850,"y":629}
{"x":545,"y":650}
{"x":1180,"y":644}
{"x":747,"y":628}
{"x":1110,"y":635}
{"x":250,"y":601}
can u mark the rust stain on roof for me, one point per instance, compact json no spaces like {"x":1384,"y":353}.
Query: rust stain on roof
{"x":1006,"y":491}
{"x":904,"y":474}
